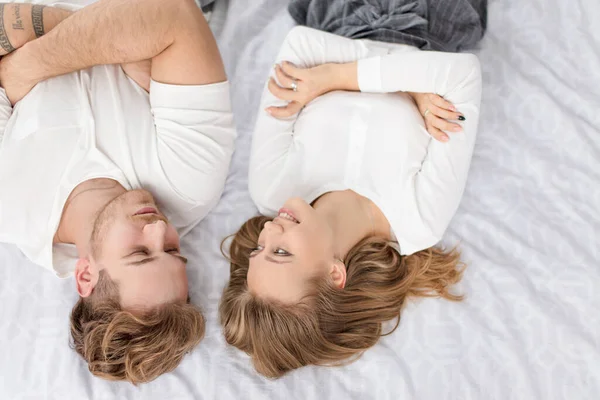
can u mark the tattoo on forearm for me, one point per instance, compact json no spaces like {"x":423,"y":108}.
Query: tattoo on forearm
{"x":4,"y":42}
{"x":18,"y":24}
{"x":37,"y":17}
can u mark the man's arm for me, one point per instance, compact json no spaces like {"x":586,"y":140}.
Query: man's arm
{"x":19,"y":24}
{"x":22,"y":23}
{"x":174,"y":34}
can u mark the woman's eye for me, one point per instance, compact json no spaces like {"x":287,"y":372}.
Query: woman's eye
{"x":281,"y":252}
{"x":173,"y":251}
{"x":141,"y":253}
{"x":257,"y":249}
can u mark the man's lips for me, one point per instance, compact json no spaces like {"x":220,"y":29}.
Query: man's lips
{"x":146,"y":210}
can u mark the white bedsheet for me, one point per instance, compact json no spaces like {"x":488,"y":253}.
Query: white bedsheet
{"x":529,"y":226}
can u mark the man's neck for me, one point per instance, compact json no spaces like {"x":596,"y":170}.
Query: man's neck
{"x":81,"y":210}
{"x":352,"y":218}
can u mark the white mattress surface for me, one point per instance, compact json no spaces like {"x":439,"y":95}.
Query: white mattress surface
{"x":529,"y":227}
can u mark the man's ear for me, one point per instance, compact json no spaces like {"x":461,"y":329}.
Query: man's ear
{"x":86,"y":277}
{"x":338,"y":274}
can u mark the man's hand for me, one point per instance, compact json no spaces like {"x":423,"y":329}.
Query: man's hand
{"x":14,"y":78}
{"x":22,"y":23}
{"x":436,"y":112}
{"x":140,"y":72}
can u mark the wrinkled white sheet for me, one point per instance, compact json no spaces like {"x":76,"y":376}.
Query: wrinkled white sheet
{"x":529,"y":226}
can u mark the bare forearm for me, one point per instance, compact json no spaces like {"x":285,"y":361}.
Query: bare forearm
{"x":107,"y":32}
{"x":22,"y":23}
{"x":345,"y":76}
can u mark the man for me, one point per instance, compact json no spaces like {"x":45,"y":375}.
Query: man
{"x":119,"y":142}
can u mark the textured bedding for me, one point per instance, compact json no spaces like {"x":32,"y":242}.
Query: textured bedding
{"x":529,"y":228}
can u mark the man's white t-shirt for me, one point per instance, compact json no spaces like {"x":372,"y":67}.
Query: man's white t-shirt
{"x":176,"y":142}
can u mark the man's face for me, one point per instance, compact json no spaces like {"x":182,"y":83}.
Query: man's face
{"x":139,"y":249}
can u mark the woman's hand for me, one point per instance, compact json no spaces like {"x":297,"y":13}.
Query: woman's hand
{"x":437,"y":112}
{"x":300,"y":86}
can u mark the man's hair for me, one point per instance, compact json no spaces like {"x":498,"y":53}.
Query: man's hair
{"x":121,"y":346}
{"x":330,"y":326}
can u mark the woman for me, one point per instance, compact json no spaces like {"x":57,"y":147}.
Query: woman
{"x":359,"y":191}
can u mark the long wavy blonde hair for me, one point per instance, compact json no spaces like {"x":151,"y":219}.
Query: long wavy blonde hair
{"x":121,"y":346}
{"x":332,"y":326}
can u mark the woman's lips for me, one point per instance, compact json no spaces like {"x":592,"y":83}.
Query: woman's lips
{"x":288,"y":214}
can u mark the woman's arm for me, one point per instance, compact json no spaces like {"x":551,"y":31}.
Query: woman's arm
{"x":273,"y":137}
{"x":439,"y":185}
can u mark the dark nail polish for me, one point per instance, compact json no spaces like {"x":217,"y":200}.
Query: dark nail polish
{"x":461,"y":118}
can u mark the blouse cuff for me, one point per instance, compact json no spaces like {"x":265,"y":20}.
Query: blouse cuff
{"x":369,"y":75}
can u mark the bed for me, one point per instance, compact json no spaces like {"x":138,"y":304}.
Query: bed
{"x":529,"y":228}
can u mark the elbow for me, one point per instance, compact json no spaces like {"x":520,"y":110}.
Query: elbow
{"x":472,"y":67}
{"x":263,"y":196}
{"x":258,"y":194}
{"x":300,"y":41}
{"x":182,"y":5}
{"x":464,"y":79}
{"x":472,"y":61}
{"x":297,"y":34}
{"x":185,"y":12}
{"x":169,"y":9}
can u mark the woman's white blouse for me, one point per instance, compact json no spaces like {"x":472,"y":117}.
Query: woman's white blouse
{"x":374,"y":141}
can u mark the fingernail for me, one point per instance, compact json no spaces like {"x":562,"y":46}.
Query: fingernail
{"x":444,"y":138}
{"x":457,"y":129}
{"x":461,"y":118}
{"x":453,"y":108}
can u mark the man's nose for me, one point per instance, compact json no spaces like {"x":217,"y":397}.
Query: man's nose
{"x":156,"y":233}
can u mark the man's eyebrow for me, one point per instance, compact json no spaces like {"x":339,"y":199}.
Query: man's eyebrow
{"x":142,"y":262}
{"x":150,"y":259}
{"x":271,"y":259}
{"x":182,"y":258}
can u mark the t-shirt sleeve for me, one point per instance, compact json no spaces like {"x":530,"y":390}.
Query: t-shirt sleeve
{"x":195,"y":137}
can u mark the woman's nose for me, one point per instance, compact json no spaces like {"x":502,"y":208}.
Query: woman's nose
{"x":273,"y":227}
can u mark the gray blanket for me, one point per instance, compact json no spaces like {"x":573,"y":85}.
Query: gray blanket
{"x":443,"y":25}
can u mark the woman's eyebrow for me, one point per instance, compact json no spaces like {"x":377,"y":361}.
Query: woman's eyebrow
{"x":269,"y":258}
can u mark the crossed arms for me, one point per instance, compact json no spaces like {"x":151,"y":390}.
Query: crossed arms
{"x":172,"y":34}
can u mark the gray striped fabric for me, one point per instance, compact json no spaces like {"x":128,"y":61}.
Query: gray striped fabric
{"x":204,"y":3}
{"x":443,"y":25}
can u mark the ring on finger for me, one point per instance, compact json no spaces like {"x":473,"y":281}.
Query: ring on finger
{"x":426,"y":112}
{"x":294,"y":86}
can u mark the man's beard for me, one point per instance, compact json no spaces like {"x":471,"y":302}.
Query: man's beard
{"x":109,"y":213}
{"x":105,"y":215}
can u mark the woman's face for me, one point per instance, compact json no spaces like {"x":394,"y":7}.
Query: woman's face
{"x":295,"y":247}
